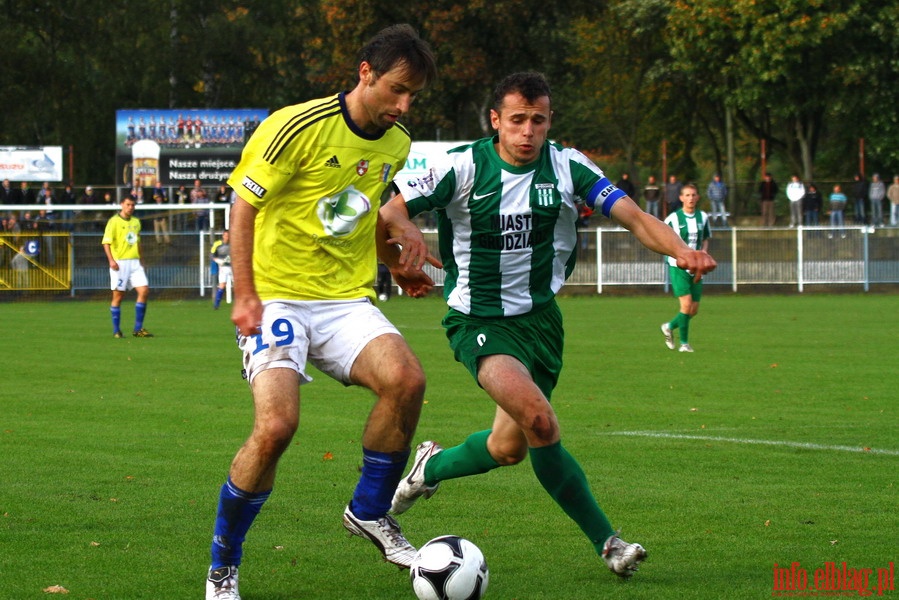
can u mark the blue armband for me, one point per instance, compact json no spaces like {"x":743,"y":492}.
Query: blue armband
{"x":605,"y":192}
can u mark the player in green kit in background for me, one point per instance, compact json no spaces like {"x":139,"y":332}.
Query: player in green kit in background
{"x":693,"y":227}
{"x":506,"y":217}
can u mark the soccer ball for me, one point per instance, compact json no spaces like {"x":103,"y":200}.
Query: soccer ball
{"x":449,"y":568}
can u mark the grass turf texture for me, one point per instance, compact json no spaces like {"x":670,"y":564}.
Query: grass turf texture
{"x":747,"y":453}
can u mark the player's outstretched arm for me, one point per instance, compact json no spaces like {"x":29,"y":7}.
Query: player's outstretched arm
{"x":657,"y":236}
{"x":402,"y":247}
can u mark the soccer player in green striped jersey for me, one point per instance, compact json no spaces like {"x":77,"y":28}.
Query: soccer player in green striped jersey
{"x":506,"y":212}
{"x":304,"y":260}
{"x":692,"y":226}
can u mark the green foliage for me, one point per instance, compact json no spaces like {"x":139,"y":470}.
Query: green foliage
{"x":752,"y":452}
{"x":808,"y":76}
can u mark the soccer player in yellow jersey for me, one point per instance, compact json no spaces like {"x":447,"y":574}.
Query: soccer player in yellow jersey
{"x":121,"y":242}
{"x":303,"y":255}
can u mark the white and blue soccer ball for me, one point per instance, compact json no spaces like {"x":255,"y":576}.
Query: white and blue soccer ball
{"x":449,"y":568}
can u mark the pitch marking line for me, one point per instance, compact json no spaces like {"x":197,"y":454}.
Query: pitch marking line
{"x":711,"y":438}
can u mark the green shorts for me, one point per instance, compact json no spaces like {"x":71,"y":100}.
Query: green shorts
{"x":536,"y":339}
{"x":682,"y":284}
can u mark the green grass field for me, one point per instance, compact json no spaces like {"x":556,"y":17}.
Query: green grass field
{"x":776,"y":442}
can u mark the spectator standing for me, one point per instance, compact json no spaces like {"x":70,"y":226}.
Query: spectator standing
{"x":181,"y":197}
{"x":5,"y":192}
{"x":88,"y":221}
{"x":223,"y":196}
{"x":811,"y":205}
{"x":859,"y":199}
{"x":876,"y":193}
{"x":672,"y":194}
{"x":44,"y":224}
{"x":837,"y":206}
{"x":68,"y":216}
{"x":795,"y":194}
{"x":121,"y":243}
{"x":161,"y":220}
{"x":652,"y":194}
{"x":627,"y":186}
{"x":198,"y":195}
{"x":717,"y":193}
{"x":24,"y":195}
{"x":768,"y":194}
{"x":893,"y":195}
{"x":303,"y":253}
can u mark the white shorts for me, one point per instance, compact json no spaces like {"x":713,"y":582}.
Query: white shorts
{"x":329,"y":334}
{"x":130,"y":275}
{"x":226,"y":274}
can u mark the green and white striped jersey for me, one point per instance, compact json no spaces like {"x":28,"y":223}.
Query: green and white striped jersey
{"x":507,"y":234}
{"x":693,"y":229}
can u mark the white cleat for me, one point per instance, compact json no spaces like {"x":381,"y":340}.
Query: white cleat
{"x":385,"y":533}
{"x":221,"y":584}
{"x":669,"y":337}
{"x":412,"y":486}
{"x":685,"y":348}
{"x":622,"y":558}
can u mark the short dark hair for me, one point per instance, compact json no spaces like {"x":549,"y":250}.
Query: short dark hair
{"x":400,"y":45}
{"x":530,"y":84}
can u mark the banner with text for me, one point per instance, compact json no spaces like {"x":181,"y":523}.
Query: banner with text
{"x":178,"y":146}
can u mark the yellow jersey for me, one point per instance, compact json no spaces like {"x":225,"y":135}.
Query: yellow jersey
{"x":317,"y":181}
{"x":123,"y":237}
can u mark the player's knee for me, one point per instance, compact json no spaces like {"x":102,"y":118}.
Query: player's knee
{"x":541,"y":428}
{"x":408,"y":382}
{"x":507,"y":460}
{"x":274,"y":436}
{"x":508,"y":454}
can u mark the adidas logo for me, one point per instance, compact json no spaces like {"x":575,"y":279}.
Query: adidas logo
{"x":333,"y":162}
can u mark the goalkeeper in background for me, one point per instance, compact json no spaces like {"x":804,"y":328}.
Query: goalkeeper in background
{"x":221,"y":258}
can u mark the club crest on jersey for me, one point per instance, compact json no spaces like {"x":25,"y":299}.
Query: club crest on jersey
{"x":545,"y":194}
{"x":361,"y":168}
{"x":341,"y":213}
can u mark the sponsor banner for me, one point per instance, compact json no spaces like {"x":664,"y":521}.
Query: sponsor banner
{"x":178,"y":146}
{"x":33,"y":163}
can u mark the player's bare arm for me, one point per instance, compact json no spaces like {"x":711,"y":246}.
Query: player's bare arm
{"x":658,"y":237}
{"x":112,"y":262}
{"x":402,"y":233}
{"x":402,"y":247}
{"x":247,"y":311}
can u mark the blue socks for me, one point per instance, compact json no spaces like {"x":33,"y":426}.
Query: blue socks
{"x":219,"y":292}
{"x":237,"y":511}
{"x":381,"y":473}
{"x":140,"y":309}
{"x":116,"y":312}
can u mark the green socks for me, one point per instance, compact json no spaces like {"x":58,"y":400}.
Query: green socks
{"x":468,"y":458}
{"x":558,"y":472}
{"x":681,"y":321}
{"x":562,"y":476}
